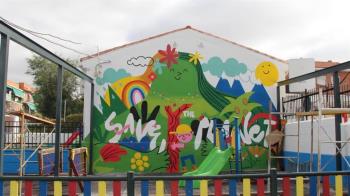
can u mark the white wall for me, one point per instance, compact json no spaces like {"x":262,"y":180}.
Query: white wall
{"x":187,"y":40}
{"x":290,"y":142}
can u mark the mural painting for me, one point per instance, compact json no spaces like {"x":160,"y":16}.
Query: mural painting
{"x":163,"y":119}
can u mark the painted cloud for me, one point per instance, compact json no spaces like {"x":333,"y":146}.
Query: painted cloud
{"x":140,"y":61}
{"x":110,"y":76}
{"x":217,"y":67}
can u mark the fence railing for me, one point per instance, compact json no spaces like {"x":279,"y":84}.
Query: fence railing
{"x":246,"y":184}
{"x":36,"y":134}
{"x":307,"y":101}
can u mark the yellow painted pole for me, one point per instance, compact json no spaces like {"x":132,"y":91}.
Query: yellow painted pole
{"x":246,"y":187}
{"x":14,"y":188}
{"x":102,"y":188}
{"x":300,"y":186}
{"x":203,"y":187}
{"x":159,"y":188}
{"x":57,"y":186}
{"x":217,"y":139}
{"x":338,"y":185}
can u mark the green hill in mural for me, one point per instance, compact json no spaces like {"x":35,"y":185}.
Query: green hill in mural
{"x":182,"y":84}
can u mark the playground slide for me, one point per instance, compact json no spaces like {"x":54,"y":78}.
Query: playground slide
{"x":71,"y":139}
{"x":212,"y":165}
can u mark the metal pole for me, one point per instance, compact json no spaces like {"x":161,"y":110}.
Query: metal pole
{"x":91,"y":142}
{"x":64,"y":110}
{"x":312,"y":144}
{"x":58,"y":118}
{"x":337,"y":120}
{"x":130,"y":183}
{"x":273,"y":182}
{"x":237,"y":145}
{"x":4,"y":53}
{"x":298,"y":143}
{"x":278,"y":89}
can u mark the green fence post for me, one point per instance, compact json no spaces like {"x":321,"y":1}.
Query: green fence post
{"x":130,"y":183}
{"x":273,"y":181}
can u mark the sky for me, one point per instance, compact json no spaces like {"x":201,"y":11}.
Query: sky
{"x":281,"y":28}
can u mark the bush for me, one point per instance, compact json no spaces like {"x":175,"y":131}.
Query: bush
{"x":75,"y":118}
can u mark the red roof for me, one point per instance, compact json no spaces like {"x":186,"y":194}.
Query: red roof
{"x":166,"y":33}
{"x":325,"y":64}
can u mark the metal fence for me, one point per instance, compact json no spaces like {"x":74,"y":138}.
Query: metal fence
{"x":273,"y":183}
{"x":37,"y":133}
{"x":307,"y":101}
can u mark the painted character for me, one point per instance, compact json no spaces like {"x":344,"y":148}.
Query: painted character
{"x":184,"y":135}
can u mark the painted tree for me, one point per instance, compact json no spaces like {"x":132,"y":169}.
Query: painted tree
{"x":173,"y":122}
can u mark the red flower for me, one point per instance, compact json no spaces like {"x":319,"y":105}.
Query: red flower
{"x":112,"y":152}
{"x":152,"y":76}
{"x":169,"y":56}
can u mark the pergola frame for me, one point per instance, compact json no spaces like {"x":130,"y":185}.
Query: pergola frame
{"x":334,"y":70}
{"x":10,"y":34}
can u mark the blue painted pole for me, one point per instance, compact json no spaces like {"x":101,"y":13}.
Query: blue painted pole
{"x":214,"y":132}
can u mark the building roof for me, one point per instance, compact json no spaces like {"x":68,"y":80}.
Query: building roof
{"x":325,"y":64}
{"x":173,"y":31}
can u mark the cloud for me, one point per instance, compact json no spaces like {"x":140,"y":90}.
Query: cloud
{"x":140,"y":61}
{"x":217,"y":67}
{"x":110,"y":76}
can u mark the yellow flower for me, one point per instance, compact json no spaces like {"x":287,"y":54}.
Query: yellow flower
{"x":139,"y":162}
{"x":195,"y":58}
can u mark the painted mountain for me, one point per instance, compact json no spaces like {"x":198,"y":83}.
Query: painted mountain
{"x":261,"y":96}
{"x":235,"y":90}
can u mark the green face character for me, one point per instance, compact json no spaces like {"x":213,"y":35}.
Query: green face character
{"x":179,"y":80}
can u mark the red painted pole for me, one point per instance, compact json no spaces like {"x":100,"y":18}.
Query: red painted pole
{"x":174,"y":188}
{"x":72,"y":188}
{"x":28,"y":188}
{"x":260,"y":187}
{"x":326,"y":187}
{"x":117,"y":188}
{"x":286,"y":186}
{"x":218,"y":187}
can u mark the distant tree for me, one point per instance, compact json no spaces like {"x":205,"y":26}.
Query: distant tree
{"x":45,"y":76}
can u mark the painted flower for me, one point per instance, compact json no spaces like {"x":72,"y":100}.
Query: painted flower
{"x":195,"y":58}
{"x":169,"y":56}
{"x":139,"y":162}
{"x":112,"y":152}
{"x":152,"y":76}
{"x":256,"y":151}
{"x":244,"y":155}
